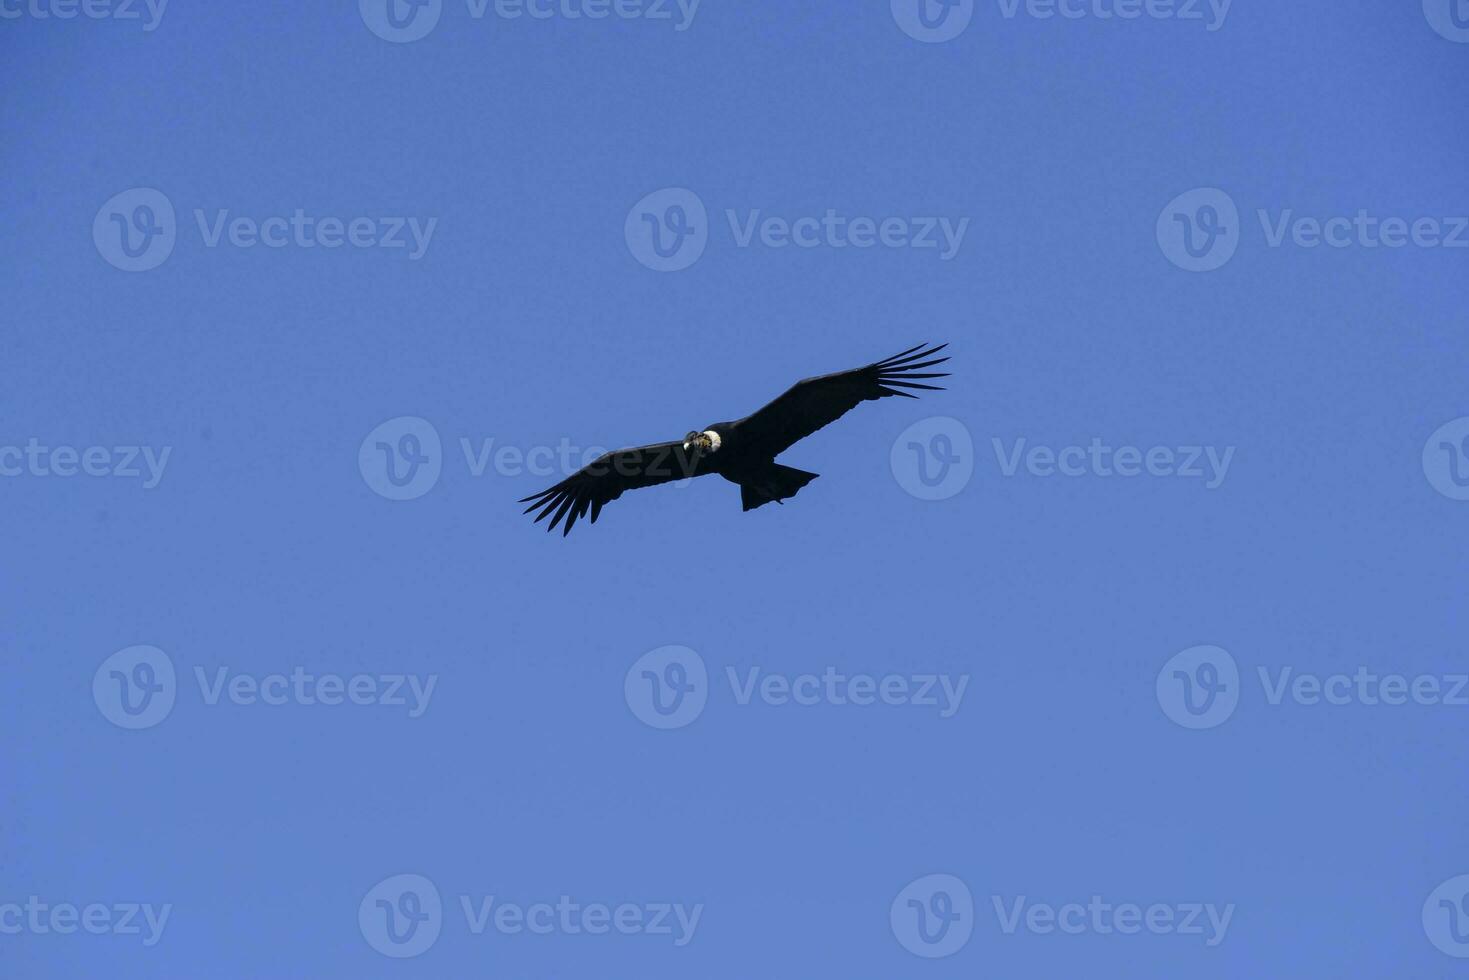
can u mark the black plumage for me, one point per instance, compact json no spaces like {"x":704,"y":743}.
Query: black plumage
{"x":743,"y":451}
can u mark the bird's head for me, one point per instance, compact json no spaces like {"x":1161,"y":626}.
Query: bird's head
{"x":703,"y":442}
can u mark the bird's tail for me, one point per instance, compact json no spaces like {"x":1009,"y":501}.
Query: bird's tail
{"x":771,"y":482}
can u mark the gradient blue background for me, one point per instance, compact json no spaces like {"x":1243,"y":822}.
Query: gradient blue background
{"x":528,"y":321}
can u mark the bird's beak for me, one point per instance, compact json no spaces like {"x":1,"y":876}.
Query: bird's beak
{"x":686,"y":445}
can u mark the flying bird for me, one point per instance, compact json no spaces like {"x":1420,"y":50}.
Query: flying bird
{"x":744,"y":451}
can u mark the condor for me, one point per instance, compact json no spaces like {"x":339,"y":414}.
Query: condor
{"x":744,"y":451}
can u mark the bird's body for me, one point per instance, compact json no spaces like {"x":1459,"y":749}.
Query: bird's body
{"x":749,"y":466}
{"x":742,"y":451}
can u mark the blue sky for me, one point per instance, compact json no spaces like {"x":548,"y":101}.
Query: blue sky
{"x":1137,"y":652}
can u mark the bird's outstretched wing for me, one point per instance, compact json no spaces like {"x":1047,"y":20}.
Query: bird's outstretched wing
{"x":608,"y":476}
{"x":817,"y":402}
